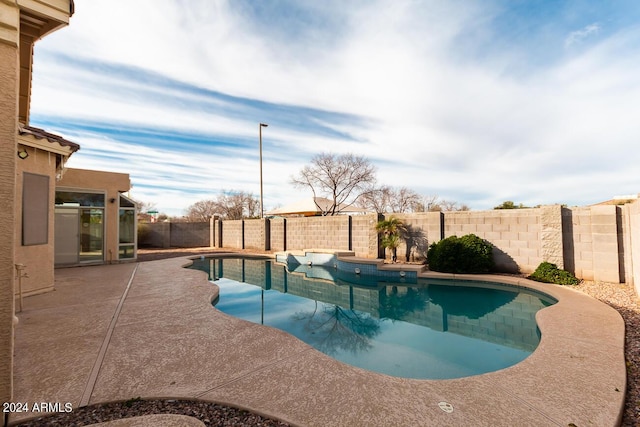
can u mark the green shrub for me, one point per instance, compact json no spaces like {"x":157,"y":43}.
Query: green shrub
{"x":550,"y":273}
{"x":466,"y":254}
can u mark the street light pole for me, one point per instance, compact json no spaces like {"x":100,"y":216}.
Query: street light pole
{"x":261,"y":192}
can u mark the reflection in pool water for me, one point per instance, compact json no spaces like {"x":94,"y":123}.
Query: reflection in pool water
{"x":428,"y":329}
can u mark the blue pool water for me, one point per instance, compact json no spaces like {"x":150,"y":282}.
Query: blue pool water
{"x":424,"y":329}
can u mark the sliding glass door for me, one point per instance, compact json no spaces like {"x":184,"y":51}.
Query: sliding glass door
{"x":91,"y":235}
{"x":79,"y":227}
{"x":66,"y":235}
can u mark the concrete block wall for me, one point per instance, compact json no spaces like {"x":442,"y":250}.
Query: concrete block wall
{"x":256,"y":234}
{"x":632,"y":244}
{"x":551,"y":234}
{"x":216,"y":232}
{"x":578,"y":248}
{"x":233,"y":234}
{"x":278,"y":234}
{"x":579,"y":242}
{"x":426,"y":228}
{"x":594,"y":242}
{"x":364,"y":239}
{"x":331,"y":232}
{"x":604,"y":229}
{"x":156,"y":235}
{"x":175,"y":234}
{"x":189,"y":234}
{"x":515,"y":234}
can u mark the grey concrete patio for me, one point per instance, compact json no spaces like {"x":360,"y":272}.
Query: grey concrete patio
{"x":117,"y":332}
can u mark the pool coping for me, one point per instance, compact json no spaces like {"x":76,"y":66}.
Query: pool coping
{"x":552,"y":322}
{"x":170,"y":342}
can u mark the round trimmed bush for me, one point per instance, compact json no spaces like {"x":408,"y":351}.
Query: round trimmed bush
{"x":466,"y":254}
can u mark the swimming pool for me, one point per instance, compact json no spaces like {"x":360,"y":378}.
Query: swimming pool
{"x":412,"y":328}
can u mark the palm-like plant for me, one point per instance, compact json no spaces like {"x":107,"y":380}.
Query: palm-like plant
{"x":392,"y":241}
{"x":391,"y":230}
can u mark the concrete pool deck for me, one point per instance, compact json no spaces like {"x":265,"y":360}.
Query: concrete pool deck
{"x":117,"y":332}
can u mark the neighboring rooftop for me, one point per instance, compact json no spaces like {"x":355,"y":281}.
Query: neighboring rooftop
{"x":313,"y":206}
{"x":620,"y":200}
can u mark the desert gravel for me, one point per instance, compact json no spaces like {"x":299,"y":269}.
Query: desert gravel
{"x":624,"y":299}
{"x":210,"y":414}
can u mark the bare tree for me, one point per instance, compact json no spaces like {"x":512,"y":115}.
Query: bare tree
{"x":449,"y":206}
{"x":147,"y":212}
{"x":339,"y":178}
{"x":376,"y":199}
{"x":145,"y":206}
{"x":429,"y":203}
{"x":231,"y":206}
{"x":201,"y":211}
{"x":238,"y":205}
{"x":388,"y":199}
{"x":228,"y":205}
{"x":403,"y":200}
{"x":252,"y":205}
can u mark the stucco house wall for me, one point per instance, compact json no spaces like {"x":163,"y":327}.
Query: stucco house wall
{"x":41,"y":155}
{"x":18,"y":32}
{"x":37,"y":259}
{"x":8,"y":133}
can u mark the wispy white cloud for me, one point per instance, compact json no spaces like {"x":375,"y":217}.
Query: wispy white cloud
{"x":446,"y":98}
{"x":578,"y":36}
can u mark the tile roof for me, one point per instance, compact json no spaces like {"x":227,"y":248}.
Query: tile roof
{"x":42,"y":134}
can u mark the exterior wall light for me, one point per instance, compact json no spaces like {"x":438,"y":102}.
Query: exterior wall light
{"x":23,"y":154}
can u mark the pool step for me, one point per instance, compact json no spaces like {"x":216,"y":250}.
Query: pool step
{"x":348,"y":262}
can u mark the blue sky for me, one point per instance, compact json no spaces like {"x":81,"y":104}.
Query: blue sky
{"x":475,"y":102}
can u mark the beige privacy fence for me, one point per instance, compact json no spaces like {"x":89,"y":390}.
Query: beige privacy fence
{"x":599,"y":242}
